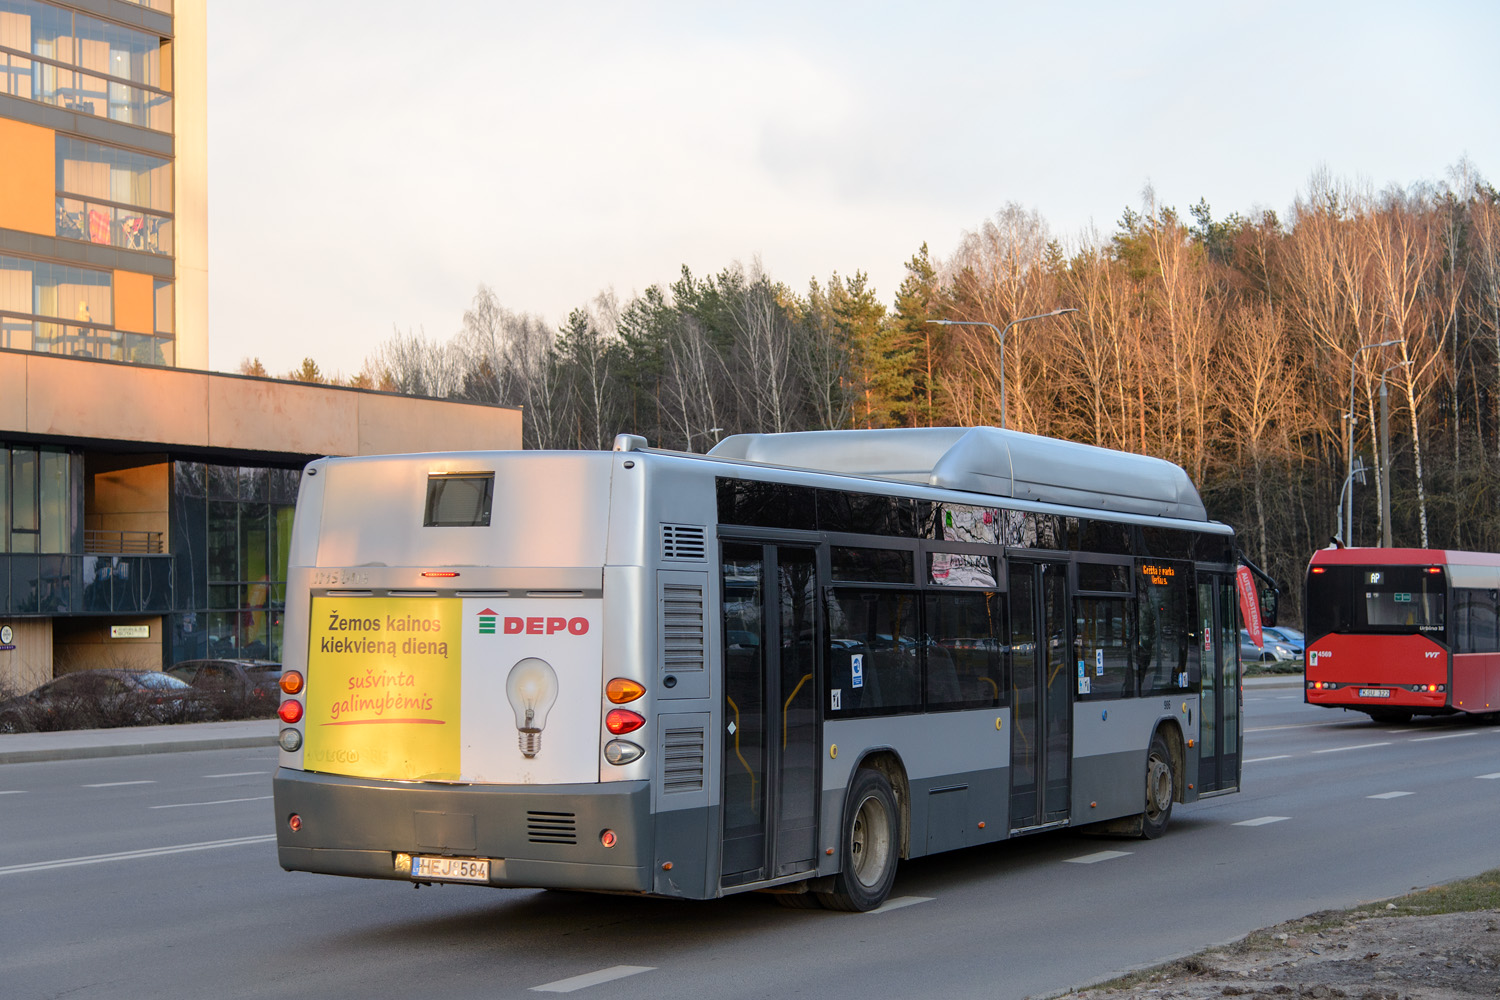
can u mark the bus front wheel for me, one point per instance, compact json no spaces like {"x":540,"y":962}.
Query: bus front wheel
{"x":871,"y":847}
{"x":1160,"y":784}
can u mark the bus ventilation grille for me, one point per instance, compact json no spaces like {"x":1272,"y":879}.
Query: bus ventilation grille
{"x":683,"y":541}
{"x":682,"y":626}
{"x":682,"y":756}
{"x":551,"y":828}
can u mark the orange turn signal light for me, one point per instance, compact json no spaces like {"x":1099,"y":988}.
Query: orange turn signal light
{"x":623,"y":720}
{"x":291,"y":681}
{"x":622,"y":690}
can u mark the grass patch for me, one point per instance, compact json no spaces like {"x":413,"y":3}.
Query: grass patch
{"x":1482,"y":892}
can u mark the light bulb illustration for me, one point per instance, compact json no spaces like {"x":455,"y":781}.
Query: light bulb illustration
{"x":532,"y":690}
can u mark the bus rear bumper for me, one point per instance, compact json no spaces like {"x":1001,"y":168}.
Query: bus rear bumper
{"x":1395,"y":696}
{"x":539,"y":836}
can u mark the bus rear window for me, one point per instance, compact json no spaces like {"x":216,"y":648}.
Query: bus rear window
{"x":1399,"y":599}
{"x":459,"y":500}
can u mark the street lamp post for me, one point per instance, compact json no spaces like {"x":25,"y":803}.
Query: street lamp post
{"x":1385,"y":458}
{"x":1348,"y":512}
{"x":1000,"y":337}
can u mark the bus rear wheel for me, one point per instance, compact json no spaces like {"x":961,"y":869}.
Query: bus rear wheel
{"x":1160,"y":784}
{"x":871,"y":847}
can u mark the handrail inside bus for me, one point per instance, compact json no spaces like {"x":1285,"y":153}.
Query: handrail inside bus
{"x":748,"y":769}
{"x":787,"y":707}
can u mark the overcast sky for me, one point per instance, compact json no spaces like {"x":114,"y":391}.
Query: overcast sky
{"x":371,"y":163}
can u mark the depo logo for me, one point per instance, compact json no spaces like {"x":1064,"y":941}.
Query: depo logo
{"x":489,"y":620}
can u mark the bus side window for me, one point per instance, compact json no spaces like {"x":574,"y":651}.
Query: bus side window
{"x":963,"y":640}
{"x":874,"y":661}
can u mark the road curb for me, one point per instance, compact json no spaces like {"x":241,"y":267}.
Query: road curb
{"x":133,"y":749}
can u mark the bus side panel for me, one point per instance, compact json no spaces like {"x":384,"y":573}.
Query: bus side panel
{"x":1476,"y":682}
{"x":946,"y":807}
{"x":1110,"y":740}
{"x":356,"y":826}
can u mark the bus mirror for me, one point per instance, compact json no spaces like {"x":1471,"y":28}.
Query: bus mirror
{"x":1268,"y":608}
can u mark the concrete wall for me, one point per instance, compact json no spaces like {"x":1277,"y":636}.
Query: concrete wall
{"x":62,"y":397}
{"x":30,"y":663}
{"x":85,"y":644}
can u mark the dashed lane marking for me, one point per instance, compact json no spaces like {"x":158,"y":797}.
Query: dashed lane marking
{"x":119,"y":784}
{"x":217,"y":802}
{"x":1093,"y":859}
{"x":1358,"y":746}
{"x":150,"y":852}
{"x":1489,"y":777}
{"x":1445,"y":736}
{"x":592,"y":978}
{"x":1260,"y":821}
{"x":1388,"y":795}
{"x":13,"y":791}
{"x":1280,"y":756}
{"x":237,"y":774}
{"x":898,"y":903}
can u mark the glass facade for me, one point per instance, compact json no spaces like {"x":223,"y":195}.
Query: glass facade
{"x":83,"y":64}
{"x":232,"y":532}
{"x":113,"y":196}
{"x":63,"y":309}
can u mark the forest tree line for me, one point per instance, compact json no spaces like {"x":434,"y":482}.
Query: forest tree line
{"x":1229,"y":346}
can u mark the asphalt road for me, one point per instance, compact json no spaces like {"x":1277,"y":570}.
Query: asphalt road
{"x":155,"y":876}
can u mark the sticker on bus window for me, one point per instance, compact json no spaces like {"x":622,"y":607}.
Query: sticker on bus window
{"x":1082,"y":670}
{"x":1085,"y":685}
{"x":856,"y":671}
{"x":837,"y":699}
{"x":1099,"y":662}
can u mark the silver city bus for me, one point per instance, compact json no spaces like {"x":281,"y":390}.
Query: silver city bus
{"x":784,"y":665}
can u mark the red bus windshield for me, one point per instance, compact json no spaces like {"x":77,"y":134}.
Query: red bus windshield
{"x":1393,"y":600}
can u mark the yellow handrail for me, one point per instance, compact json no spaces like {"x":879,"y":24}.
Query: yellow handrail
{"x":748,"y":769}
{"x":788,"y":705}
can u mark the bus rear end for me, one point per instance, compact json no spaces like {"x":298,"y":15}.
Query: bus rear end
{"x":1377,"y":638}
{"x":447,"y":714}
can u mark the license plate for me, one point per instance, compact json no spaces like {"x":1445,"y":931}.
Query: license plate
{"x":451,"y":869}
{"x":1374,"y":692}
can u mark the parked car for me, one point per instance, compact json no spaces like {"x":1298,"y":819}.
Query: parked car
{"x":1289,"y":637}
{"x":103,"y":699}
{"x":1274,"y":648}
{"x":231,"y":683}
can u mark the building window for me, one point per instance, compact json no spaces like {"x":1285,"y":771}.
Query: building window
{"x":61,"y":309}
{"x":113,"y":196}
{"x":36,"y":501}
{"x":83,"y":64}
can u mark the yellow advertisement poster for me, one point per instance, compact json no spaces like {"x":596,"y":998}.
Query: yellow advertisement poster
{"x":383,"y":687}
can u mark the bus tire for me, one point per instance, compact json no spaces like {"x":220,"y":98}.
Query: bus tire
{"x":871,"y":846}
{"x":1160,"y":785}
{"x":1389,"y":716}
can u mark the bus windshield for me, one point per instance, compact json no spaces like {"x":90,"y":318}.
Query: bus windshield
{"x":1391,"y":599}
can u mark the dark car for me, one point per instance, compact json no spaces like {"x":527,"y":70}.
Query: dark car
{"x":103,"y":699}
{"x":233,"y":684}
{"x":1289,"y":637}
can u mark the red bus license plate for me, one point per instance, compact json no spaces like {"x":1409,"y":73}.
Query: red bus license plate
{"x":1374,"y":692}
{"x":451,"y":869}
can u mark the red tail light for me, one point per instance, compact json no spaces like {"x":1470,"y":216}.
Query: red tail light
{"x":623,"y":720}
{"x":290,"y":712}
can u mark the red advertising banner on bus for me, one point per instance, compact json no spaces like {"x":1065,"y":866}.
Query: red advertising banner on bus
{"x":1249,"y":605}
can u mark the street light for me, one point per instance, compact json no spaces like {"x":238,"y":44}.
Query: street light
{"x":1349,"y":512}
{"x":1000,"y":336}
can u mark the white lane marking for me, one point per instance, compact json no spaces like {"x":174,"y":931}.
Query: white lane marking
{"x":13,"y":791}
{"x":236,"y":774}
{"x":592,"y":978}
{"x":1361,"y":746}
{"x":1488,"y":777}
{"x":150,"y":852}
{"x":1261,"y":821}
{"x":1388,"y":795}
{"x":898,"y":903}
{"x":117,"y":784}
{"x":1091,"y":859}
{"x":1448,"y":736}
{"x":218,"y":802}
{"x":1280,"y":756}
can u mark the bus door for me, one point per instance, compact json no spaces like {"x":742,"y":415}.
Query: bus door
{"x":1041,"y":738}
{"x":1219,"y":706}
{"x":770,"y":760}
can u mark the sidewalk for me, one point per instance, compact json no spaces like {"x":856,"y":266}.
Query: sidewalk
{"x":22,"y":748}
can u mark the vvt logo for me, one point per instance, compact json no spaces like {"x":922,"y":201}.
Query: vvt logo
{"x":487,"y":619}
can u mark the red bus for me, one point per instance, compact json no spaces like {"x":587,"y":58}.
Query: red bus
{"x":1400,"y":632}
